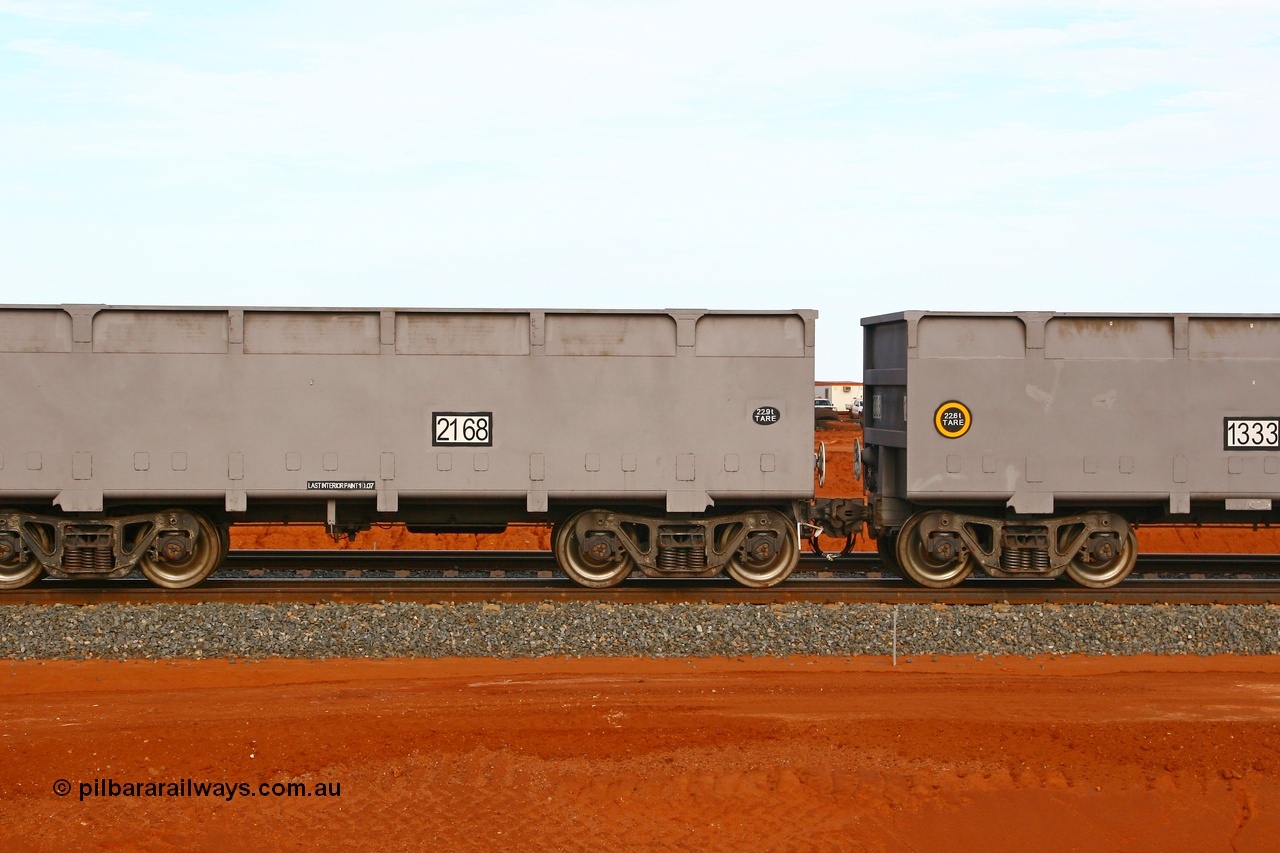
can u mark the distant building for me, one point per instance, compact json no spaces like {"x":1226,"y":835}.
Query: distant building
{"x":845,"y":396}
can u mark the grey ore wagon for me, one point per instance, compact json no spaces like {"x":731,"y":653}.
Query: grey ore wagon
{"x":1028,"y":444}
{"x":677,"y":442}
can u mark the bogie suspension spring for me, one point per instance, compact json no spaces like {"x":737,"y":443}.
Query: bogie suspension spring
{"x":1029,"y":560}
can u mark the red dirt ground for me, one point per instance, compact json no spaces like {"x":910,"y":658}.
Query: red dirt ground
{"x":840,"y":482}
{"x":1088,"y":754}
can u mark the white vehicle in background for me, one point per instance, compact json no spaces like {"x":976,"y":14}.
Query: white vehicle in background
{"x":824,"y":410}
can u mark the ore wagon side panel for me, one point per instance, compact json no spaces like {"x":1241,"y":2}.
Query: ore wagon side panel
{"x":1040,"y":411}
{"x":251,"y":410}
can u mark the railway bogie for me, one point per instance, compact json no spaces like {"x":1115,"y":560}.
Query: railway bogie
{"x":174,"y":548}
{"x":940,"y":548}
{"x":600,"y":547}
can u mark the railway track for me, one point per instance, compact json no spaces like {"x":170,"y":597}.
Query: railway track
{"x":435,"y":576}
{"x":471,"y":561}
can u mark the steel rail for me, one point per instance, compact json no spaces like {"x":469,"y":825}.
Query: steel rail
{"x":644,"y":591}
{"x":858,"y":562}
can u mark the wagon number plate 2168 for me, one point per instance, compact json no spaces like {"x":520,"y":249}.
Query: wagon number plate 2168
{"x":462,"y":429}
{"x":1251,"y":434}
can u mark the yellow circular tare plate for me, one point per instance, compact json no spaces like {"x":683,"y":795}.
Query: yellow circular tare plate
{"x":952,"y":419}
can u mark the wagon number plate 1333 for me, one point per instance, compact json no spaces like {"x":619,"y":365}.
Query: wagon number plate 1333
{"x":1252,"y":434}
{"x":462,"y":429}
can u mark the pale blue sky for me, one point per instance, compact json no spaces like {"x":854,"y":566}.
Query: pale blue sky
{"x":857,"y":158}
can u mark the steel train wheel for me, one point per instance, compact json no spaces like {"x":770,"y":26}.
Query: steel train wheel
{"x":887,"y":548}
{"x":582,"y":568}
{"x":206,"y":554}
{"x":224,"y":537}
{"x":921,"y":567}
{"x":775,"y":570}
{"x":17,"y":572}
{"x":1108,"y":574}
